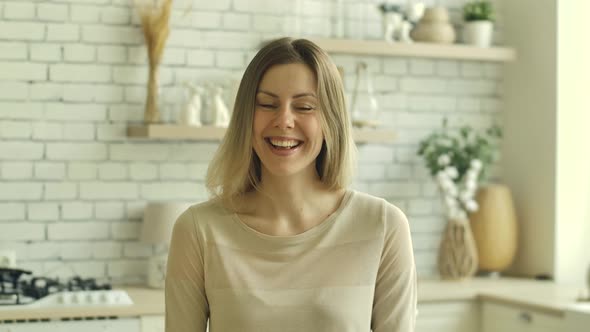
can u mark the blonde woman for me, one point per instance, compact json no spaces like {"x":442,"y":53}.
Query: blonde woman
{"x":284,"y":245}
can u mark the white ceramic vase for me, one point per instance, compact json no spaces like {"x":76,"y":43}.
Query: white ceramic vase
{"x":478,"y":33}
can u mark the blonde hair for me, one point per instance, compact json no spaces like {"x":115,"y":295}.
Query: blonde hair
{"x":235,"y":168}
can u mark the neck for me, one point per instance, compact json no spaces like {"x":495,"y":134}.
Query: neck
{"x":288,"y":194}
{"x":294,"y":202}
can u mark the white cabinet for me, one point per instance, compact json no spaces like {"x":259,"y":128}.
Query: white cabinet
{"x":109,"y":325}
{"x":152,"y":323}
{"x":578,"y":320}
{"x":448,"y":316}
{"x":512,"y":318}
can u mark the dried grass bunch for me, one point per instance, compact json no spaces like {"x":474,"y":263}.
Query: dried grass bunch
{"x":154,"y":16}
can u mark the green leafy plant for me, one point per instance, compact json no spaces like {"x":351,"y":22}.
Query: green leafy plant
{"x":461,"y":148}
{"x":458,"y":162}
{"x":388,"y":8}
{"x":478,"y":11}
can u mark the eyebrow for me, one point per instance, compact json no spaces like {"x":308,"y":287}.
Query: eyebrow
{"x":299,"y":95}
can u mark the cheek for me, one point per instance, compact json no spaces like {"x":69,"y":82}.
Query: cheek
{"x":315,"y":129}
{"x":257,"y":125}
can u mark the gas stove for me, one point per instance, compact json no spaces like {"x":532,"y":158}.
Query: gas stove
{"x":19,"y":289}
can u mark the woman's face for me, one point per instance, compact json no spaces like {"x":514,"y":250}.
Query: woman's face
{"x":287,"y":131}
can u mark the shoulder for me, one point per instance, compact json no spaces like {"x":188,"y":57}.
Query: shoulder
{"x":389,"y":215}
{"x":199,"y":214}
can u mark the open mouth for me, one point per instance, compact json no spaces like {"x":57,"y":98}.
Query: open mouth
{"x":283,"y":144}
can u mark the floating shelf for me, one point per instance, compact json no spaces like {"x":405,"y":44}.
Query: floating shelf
{"x":207,"y":133}
{"x":423,"y":50}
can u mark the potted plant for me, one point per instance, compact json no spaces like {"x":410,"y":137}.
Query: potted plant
{"x":478,"y":27}
{"x":458,"y":162}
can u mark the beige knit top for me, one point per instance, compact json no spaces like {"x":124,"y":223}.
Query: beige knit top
{"x":354,"y":271}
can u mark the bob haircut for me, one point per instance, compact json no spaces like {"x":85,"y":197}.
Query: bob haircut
{"x":235,"y":169}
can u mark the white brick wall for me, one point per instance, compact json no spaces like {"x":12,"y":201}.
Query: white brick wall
{"x":13,"y":90}
{"x":73,"y":73}
{"x":43,"y":211}
{"x":20,"y":71}
{"x":19,"y":10}
{"x":63,"y":32}
{"x":17,"y":170}
{"x":46,"y":91}
{"x":110,"y":210}
{"x":86,"y":230}
{"x":52,"y":12}
{"x":61,"y":191}
{"x":20,"y":231}
{"x":12,"y":211}
{"x":50,"y":171}
{"x":84,"y":14}
{"x":13,"y":51}
{"x":21,"y":31}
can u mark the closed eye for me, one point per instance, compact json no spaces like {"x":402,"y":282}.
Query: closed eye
{"x":302,"y":108}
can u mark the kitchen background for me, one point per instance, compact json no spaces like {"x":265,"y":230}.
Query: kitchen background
{"x":72,"y":77}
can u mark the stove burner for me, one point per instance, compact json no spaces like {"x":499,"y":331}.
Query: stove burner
{"x":39,"y":287}
{"x":9,"y":283}
{"x":77,"y":283}
{"x":13,"y":288}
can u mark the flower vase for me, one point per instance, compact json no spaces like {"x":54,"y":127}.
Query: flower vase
{"x":152,"y":113}
{"x":495,"y":228}
{"x":457,"y":256}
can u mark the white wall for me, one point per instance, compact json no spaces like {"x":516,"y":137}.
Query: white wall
{"x":529,"y":146}
{"x":573,"y":153}
{"x":545,"y":148}
{"x":73,"y":74}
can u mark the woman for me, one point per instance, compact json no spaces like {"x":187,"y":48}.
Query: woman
{"x":284,"y":245}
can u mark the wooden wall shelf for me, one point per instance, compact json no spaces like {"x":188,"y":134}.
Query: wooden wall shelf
{"x":207,"y":133}
{"x":423,"y":50}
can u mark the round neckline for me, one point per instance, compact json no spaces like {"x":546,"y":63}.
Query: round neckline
{"x":306,"y":234}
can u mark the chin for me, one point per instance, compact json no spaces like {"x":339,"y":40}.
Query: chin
{"x":288,"y":170}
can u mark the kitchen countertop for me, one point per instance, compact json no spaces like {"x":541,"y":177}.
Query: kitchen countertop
{"x":146,"y":302}
{"x":544,"y":296}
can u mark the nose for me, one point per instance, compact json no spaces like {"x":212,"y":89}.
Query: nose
{"x":285,"y":117}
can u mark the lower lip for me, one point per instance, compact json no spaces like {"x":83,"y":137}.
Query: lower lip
{"x":281,"y":152}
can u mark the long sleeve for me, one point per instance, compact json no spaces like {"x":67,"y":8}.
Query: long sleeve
{"x":187,"y":309}
{"x":395,"y":301}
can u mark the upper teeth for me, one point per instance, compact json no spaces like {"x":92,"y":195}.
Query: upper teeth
{"x":283,"y":143}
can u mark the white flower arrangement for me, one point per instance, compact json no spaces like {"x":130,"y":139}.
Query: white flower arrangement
{"x":458,"y":163}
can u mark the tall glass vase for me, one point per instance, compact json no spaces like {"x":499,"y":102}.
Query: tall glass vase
{"x":364,"y":106}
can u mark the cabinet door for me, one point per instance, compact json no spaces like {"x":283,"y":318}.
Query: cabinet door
{"x":109,"y":325}
{"x":577,"y":320}
{"x":152,"y":323}
{"x":448,"y":316}
{"x":509,"y":318}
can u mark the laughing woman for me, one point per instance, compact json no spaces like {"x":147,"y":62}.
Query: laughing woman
{"x":284,"y":244}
